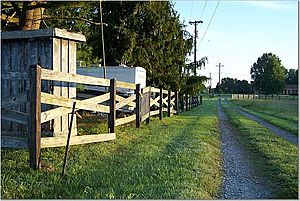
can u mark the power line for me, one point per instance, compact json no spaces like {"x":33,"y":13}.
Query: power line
{"x":203,"y":9}
{"x":210,"y":22}
{"x":191,"y":10}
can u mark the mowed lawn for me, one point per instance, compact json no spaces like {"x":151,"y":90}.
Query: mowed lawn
{"x":176,"y":158}
{"x":275,"y":159}
{"x":282,"y":113}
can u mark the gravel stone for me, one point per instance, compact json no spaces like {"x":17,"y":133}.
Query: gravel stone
{"x":240,"y":180}
{"x":278,"y":131}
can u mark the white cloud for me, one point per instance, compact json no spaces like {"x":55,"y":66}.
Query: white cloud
{"x":269,"y":5}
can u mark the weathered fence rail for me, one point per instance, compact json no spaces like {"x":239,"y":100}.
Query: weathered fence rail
{"x":36,"y":102}
{"x":143,"y":104}
{"x":264,"y":96}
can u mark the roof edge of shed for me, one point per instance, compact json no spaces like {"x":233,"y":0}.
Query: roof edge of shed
{"x":54,"y":33}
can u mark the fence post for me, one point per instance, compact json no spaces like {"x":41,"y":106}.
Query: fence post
{"x":35,"y":117}
{"x":182,"y":102}
{"x":186,"y":103}
{"x":112,"y":106}
{"x":149,"y":106}
{"x":169,"y":103}
{"x":137,"y":106}
{"x":160,"y":104}
{"x":176,"y":102}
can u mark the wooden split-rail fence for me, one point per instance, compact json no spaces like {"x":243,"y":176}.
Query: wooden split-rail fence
{"x":264,"y":96}
{"x":147,"y":102}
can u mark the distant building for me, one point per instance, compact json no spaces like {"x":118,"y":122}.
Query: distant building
{"x":290,"y":89}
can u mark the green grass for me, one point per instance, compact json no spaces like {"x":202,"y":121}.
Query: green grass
{"x":276,"y":159}
{"x":281,"y":113}
{"x":176,"y":158}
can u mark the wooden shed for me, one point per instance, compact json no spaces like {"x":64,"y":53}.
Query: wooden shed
{"x":53,"y":49}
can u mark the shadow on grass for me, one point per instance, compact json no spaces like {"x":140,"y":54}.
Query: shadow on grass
{"x":173,"y":158}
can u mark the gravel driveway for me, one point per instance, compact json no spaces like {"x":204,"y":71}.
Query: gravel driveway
{"x":240,"y":181}
{"x":278,"y":131}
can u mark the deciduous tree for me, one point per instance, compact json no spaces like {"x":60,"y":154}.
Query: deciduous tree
{"x":268,"y":74}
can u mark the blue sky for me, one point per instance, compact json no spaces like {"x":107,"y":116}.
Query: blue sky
{"x":240,"y":32}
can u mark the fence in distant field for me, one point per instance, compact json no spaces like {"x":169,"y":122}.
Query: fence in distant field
{"x":46,"y":106}
{"x":264,"y":96}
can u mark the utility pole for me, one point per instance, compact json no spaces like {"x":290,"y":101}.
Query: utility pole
{"x":219,"y":75}
{"x":209,"y":82}
{"x":219,"y":72}
{"x":195,"y":41}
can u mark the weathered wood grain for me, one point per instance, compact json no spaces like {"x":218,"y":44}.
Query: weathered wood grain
{"x":169,"y":103}
{"x":120,"y":99}
{"x":165,"y":102}
{"x":64,"y":85}
{"x":160,"y":104}
{"x":56,"y":123}
{"x":138,"y":105}
{"x":155,"y":101}
{"x":70,"y":77}
{"x":14,"y":116}
{"x":53,"y":113}
{"x":112,"y":106}
{"x":75,"y":140}
{"x":34,"y":123}
{"x":146,"y":90}
{"x":126,"y":85}
{"x":72,"y":86}
{"x":125,"y":120}
{"x":13,"y":100}
{"x":155,"y":90}
{"x":15,"y":66}
{"x":66,"y":102}
{"x":13,"y":75}
{"x":14,"y":142}
{"x":127,"y":101}
{"x":143,"y":118}
{"x":155,"y":112}
{"x":53,"y":32}
{"x":5,"y":84}
{"x":165,"y":91}
{"x":176,"y":104}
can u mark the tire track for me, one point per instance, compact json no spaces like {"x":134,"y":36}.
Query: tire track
{"x":240,"y":180}
{"x":274,"y":129}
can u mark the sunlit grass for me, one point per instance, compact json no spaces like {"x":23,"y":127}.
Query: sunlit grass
{"x":276,"y":159}
{"x":176,"y":158}
{"x":281,"y":113}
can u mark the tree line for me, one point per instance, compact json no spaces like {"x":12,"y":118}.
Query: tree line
{"x":136,"y":33}
{"x":269,"y":77}
{"x":141,"y":33}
